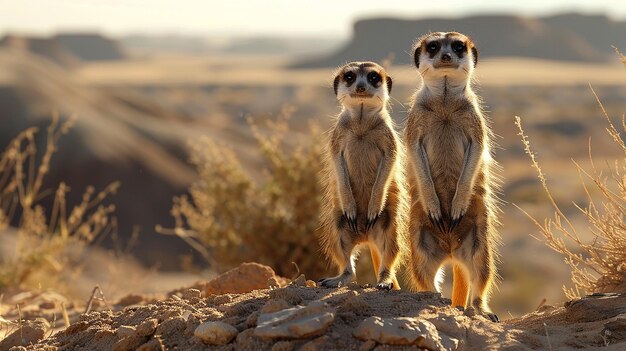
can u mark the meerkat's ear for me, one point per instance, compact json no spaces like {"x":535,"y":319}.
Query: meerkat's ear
{"x":475,"y":54}
{"x":417,"y":53}
{"x":336,"y":83}
{"x":389,"y":84}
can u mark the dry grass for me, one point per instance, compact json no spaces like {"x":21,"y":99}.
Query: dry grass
{"x":44,"y":236}
{"x":599,"y":264}
{"x":270,"y":218}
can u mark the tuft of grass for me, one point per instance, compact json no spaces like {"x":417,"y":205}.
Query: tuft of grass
{"x":598,"y":265}
{"x":232,"y":215}
{"x":45,"y":235}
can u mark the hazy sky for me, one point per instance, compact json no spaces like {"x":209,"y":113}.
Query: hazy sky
{"x":240,"y":17}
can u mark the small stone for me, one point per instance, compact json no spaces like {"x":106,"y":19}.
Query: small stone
{"x":147,"y":327}
{"x":125,"y":331}
{"x":310,"y":284}
{"x":316,"y":344}
{"x":274,"y":305}
{"x":369,"y":345}
{"x":400,"y":331}
{"x":191,"y":293}
{"x":296,"y":322}
{"x":251,"y":320}
{"x":300,"y":281}
{"x":245,"y":278}
{"x":215,"y":333}
{"x":153,"y":344}
{"x":283,"y":346}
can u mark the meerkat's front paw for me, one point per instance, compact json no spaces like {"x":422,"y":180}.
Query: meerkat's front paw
{"x":336,"y":282}
{"x":433,"y":208}
{"x":385,"y":284}
{"x":373,"y":213}
{"x":349,"y":212}
{"x":457,"y":211}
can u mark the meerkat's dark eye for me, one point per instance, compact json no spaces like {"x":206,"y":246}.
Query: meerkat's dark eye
{"x":349,"y":77}
{"x":432,"y":47}
{"x":373,"y":78}
{"x":458,"y":46}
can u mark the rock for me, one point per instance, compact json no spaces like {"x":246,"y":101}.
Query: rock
{"x":147,"y":327}
{"x":595,"y":307}
{"x":245,"y":278}
{"x":300,"y":281}
{"x":369,"y":345}
{"x":316,"y":344}
{"x":296,"y":322}
{"x":125,"y":331}
{"x":153,"y":344}
{"x":275,"y":305}
{"x":215,"y":333}
{"x":131,"y":342}
{"x":402,"y":331}
{"x":283,"y":346}
{"x":29,"y":333}
{"x":191,"y":294}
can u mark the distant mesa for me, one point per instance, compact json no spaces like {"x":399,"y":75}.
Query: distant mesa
{"x":565,"y":37}
{"x":67,"y":50}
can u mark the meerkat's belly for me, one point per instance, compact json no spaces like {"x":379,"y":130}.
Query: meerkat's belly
{"x":362,"y":158}
{"x":446,"y":153}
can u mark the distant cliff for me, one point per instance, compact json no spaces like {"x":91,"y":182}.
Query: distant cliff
{"x":69,"y":49}
{"x":568,"y":37}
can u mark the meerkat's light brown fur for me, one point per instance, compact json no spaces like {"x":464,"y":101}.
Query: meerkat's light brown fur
{"x":365,"y":198}
{"x":451,"y":174}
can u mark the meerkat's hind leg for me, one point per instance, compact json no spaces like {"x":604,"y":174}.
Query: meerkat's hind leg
{"x":346,"y":260}
{"x":426,"y":261}
{"x":387,"y":248}
{"x":483,"y":272}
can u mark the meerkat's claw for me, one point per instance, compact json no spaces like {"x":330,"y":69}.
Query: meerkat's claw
{"x":385,"y":286}
{"x":493,"y":317}
{"x":438,"y":222}
{"x":335,"y":282}
{"x":352,"y":222}
{"x":370,"y":223}
{"x":455,"y":222}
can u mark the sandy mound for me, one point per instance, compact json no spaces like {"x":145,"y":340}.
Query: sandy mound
{"x":300,"y":316}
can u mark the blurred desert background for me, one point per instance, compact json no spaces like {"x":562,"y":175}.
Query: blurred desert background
{"x":208,"y":129}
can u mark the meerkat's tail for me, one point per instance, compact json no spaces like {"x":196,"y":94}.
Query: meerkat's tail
{"x":460,"y":286}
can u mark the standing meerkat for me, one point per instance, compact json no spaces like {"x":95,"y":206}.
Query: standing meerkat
{"x":365,"y":200}
{"x":454,"y":207}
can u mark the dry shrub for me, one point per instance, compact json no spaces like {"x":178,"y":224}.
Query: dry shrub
{"x":240,"y":215}
{"x":598,"y":265}
{"x":44,"y":237}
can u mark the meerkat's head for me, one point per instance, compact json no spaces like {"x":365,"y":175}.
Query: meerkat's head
{"x":449,"y":54}
{"x":362,"y":83}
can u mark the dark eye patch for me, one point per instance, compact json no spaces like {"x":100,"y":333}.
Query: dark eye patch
{"x":349,"y":77}
{"x":373,"y":78}
{"x":432,"y":47}
{"x":458,"y":46}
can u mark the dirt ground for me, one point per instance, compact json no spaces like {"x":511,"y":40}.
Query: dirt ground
{"x":249,"y":308}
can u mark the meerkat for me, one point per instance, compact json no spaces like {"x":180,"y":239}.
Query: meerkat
{"x":365,"y":200}
{"x":451,"y":175}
